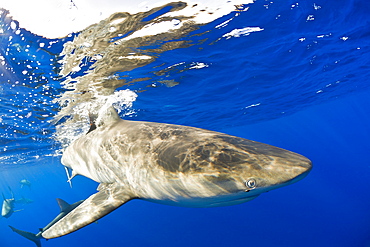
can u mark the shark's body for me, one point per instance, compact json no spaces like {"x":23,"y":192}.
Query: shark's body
{"x":25,"y":182}
{"x":171,"y":164}
{"x":7,"y":208}
{"x":23,"y":201}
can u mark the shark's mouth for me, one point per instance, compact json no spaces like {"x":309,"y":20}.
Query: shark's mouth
{"x":283,"y":184}
{"x":233,"y":202}
{"x":296,"y":179}
{"x":216,"y":201}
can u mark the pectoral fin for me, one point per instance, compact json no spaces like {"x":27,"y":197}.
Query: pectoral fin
{"x":96,"y":206}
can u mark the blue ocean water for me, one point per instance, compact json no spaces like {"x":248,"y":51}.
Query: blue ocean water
{"x":300,"y":83}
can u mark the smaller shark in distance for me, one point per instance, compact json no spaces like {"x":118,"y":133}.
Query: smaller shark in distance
{"x":65,"y":208}
{"x":23,"y":201}
{"x":7,"y":208}
{"x":25,"y":182}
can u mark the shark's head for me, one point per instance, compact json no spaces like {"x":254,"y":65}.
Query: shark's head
{"x":280,"y":169}
{"x":225,"y":170}
{"x":244,"y":169}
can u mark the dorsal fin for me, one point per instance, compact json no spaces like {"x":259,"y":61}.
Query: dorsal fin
{"x":63,"y":205}
{"x":107,"y":116}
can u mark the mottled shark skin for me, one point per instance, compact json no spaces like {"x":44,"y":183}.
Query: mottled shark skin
{"x":171,"y":164}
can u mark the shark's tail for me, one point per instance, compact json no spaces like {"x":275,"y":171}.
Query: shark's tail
{"x":31,"y":236}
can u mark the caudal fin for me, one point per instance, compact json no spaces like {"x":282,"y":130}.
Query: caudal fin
{"x":31,"y":236}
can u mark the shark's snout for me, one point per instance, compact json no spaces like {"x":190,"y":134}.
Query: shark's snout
{"x":304,"y":166}
{"x":293,"y":169}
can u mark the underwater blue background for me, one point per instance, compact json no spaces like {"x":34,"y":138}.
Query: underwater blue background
{"x":300,"y":84}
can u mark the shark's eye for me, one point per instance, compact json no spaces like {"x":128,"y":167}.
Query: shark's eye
{"x":251,"y":183}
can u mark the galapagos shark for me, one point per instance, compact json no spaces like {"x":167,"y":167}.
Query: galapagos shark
{"x":23,"y":201}
{"x":7,"y":208}
{"x":170,"y":164}
{"x":65,"y":208}
{"x":25,"y":182}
